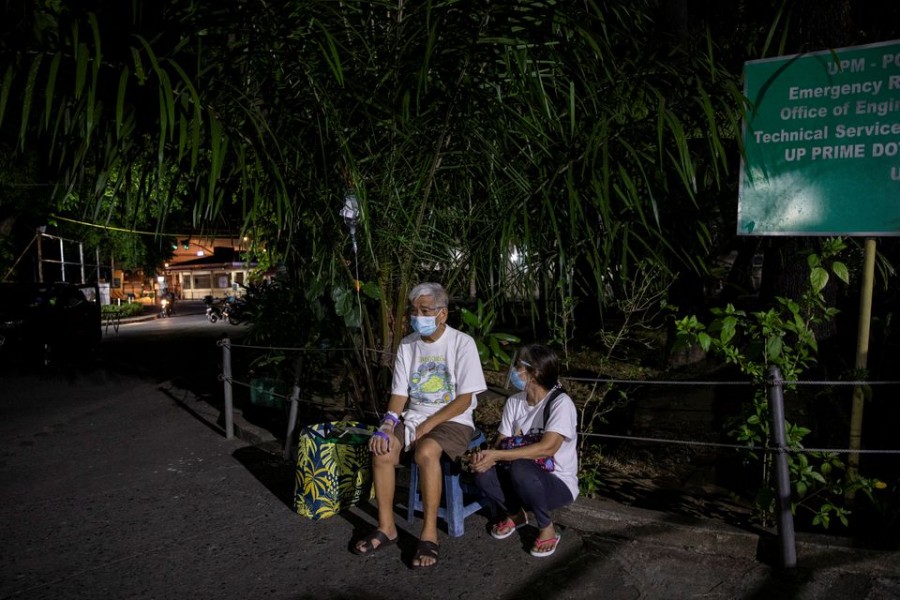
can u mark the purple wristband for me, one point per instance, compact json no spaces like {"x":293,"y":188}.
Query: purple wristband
{"x":389,"y":417}
{"x":382,"y":434}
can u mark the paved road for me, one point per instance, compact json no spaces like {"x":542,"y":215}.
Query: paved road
{"x":118,"y":483}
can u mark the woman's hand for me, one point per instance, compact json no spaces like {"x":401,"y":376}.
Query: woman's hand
{"x":483,"y":460}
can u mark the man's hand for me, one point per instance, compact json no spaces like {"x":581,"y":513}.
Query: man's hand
{"x":424,"y":428}
{"x":381,"y":440}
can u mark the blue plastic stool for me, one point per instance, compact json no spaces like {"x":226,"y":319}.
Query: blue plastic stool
{"x":453,"y":508}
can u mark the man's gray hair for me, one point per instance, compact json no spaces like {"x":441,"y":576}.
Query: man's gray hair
{"x":429,"y":288}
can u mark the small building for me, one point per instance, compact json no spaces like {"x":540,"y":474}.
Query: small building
{"x":218,"y":273}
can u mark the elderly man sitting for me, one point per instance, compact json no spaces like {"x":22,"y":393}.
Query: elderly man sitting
{"x":437,"y":374}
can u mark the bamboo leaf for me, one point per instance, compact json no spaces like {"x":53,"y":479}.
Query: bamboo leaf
{"x":81,"y":65}
{"x":167,"y":107}
{"x":120,"y":100}
{"x":217,"y":144}
{"x":138,"y":66}
{"x":95,"y":31}
{"x":151,"y":55}
{"x":29,"y":94}
{"x":4,"y":94}
{"x":51,"y":88}
{"x":572,"y":119}
{"x":196,"y":120}
{"x":163,"y":126}
{"x":90,"y":114}
{"x":331,"y":54}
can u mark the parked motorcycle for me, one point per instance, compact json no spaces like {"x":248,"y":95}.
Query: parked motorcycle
{"x":232,"y":310}
{"x":213,"y":312}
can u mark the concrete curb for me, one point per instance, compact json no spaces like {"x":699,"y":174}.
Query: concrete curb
{"x":704,"y":536}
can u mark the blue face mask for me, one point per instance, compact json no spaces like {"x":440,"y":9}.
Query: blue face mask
{"x":424,"y":325}
{"x":517,"y":380}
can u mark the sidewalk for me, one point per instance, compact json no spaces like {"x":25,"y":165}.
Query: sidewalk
{"x":823,"y":560}
{"x":118,"y":487}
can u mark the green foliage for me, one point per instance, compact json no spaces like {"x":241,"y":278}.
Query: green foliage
{"x":638,"y":301}
{"x":585,"y":135}
{"x":590,"y":483}
{"x":782,"y":336}
{"x":348,"y":303}
{"x":571,"y":122}
{"x":283,"y":315}
{"x":491,"y":344}
{"x":885,"y":500}
{"x":128,"y":309}
{"x":562,"y":324}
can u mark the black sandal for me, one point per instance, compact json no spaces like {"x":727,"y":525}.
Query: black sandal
{"x":367,"y":547}
{"x":425,"y":549}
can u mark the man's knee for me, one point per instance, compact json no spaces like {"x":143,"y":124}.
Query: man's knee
{"x":428,"y":455}
{"x":385,"y":460}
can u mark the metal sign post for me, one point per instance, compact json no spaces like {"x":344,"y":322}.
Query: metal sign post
{"x":862,"y":356}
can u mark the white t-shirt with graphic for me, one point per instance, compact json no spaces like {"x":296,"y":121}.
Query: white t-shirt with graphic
{"x":433,"y":374}
{"x":520,"y":418}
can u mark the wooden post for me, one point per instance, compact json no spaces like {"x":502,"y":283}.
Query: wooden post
{"x":862,"y":355}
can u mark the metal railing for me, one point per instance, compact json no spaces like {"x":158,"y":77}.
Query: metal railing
{"x":229,"y":381}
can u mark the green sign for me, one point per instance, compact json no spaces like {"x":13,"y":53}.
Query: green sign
{"x":822,"y":144}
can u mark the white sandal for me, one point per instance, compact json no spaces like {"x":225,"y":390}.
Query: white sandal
{"x":510,"y":523}
{"x":546,"y":547}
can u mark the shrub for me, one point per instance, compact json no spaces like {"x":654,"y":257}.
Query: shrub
{"x":129,"y":309}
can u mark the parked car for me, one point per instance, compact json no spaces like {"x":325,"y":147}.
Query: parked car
{"x":48,"y":319}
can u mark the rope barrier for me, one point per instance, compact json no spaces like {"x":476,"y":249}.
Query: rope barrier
{"x":671,"y":441}
{"x":829,"y":383}
{"x":840,"y":451}
{"x":735,"y":446}
{"x":653,"y":382}
{"x":286,"y":348}
{"x":716,"y":383}
{"x":616,"y":381}
{"x":593,"y":379}
{"x":233,"y":381}
{"x":220,"y":343}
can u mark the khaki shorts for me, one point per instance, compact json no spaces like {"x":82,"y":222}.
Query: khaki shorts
{"x":453,"y":438}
